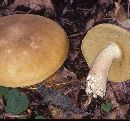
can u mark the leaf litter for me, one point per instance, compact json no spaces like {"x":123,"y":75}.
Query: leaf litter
{"x":62,"y":96}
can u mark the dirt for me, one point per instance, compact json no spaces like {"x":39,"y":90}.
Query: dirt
{"x":63,"y":96}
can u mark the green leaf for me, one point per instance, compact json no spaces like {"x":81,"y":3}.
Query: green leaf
{"x":106,"y":107}
{"x":40,"y":117}
{"x":16,"y":102}
{"x":3,"y":91}
{"x":12,"y":93}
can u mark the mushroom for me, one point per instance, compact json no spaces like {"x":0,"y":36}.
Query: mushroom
{"x":106,"y":49}
{"x":32,"y":48}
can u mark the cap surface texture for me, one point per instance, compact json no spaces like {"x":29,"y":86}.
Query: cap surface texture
{"x":32,"y":48}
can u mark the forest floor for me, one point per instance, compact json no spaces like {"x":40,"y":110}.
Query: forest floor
{"x":63,"y":95}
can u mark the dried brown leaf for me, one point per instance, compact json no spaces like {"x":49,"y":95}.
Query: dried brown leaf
{"x":33,"y":5}
{"x":57,"y":113}
{"x":97,"y":114}
{"x":2,"y":106}
{"x":129,"y":2}
{"x":67,"y":73}
{"x":90,"y":24}
{"x":119,"y":14}
{"x":61,"y":78}
{"x":118,"y":89}
{"x":111,"y":97}
{"x":118,"y":113}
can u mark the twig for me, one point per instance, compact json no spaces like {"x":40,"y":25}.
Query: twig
{"x":88,"y":101}
{"x":14,"y":116}
{"x":128,"y":10}
{"x":114,"y":92}
{"x":84,"y":9}
{"x":124,"y":87}
{"x":78,"y":34}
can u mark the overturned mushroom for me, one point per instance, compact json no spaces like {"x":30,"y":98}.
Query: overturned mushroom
{"x":106,"y":48}
{"x":32,"y":48}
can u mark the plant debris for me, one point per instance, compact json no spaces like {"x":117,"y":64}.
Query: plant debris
{"x":62,"y":96}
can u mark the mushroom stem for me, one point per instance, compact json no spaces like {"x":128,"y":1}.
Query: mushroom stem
{"x":97,"y":77}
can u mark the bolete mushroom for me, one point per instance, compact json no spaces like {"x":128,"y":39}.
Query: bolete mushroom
{"x":32,"y":48}
{"x":106,"y":48}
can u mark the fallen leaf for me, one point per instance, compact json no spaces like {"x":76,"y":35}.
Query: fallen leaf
{"x":117,"y":113}
{"x":120,"y":14}
{"x":2,"y":106}
{"x":125,"y":24}
{"x":57,"y":113}
{"x":111,"y":97}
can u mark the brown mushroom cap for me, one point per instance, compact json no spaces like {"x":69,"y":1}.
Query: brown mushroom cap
{"x":32,"y":48}
{"x":98,"y":38}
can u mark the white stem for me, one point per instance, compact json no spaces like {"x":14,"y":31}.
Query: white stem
{"x":97,"y":77}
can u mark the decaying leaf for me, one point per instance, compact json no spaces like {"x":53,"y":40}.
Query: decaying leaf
{"x":120,"y":14}
{"x":68,"y":74}
{"x":57,"y":113}
{"x":118,"y":113}
{"x":111,"y":97}
{"x":61,"y":78}
{"x":125,"y":24}
{"x":118,"y":90}
{"x":97,"y":114}
{"x":2,"y":106}
{"x":55,"y":97}
{"x":34,"y":5}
